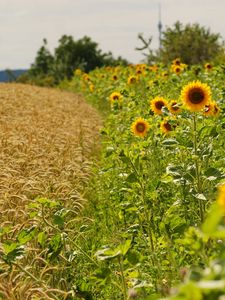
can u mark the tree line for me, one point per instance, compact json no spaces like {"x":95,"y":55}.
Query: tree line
{"x":192,"y":43}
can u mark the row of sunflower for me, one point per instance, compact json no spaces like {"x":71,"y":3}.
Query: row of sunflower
{"x":163,"y":158}
{"x":195,"y":97}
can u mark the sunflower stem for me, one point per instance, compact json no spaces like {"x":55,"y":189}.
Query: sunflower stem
{"x":197,"y":169}
{"x":124,"y":287}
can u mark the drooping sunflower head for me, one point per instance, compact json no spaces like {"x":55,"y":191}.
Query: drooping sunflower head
{"x":221,"y":196}
{"x":174,"y":107}
{"x":140,"y":127}
{"x":157,"y":105}
{"x":211,"y":109}
{"x":196,"y":95}
{"x":132,"y":79}
{"x":167,"y":126}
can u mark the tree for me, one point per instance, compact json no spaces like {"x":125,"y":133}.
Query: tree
{"x":43,"y":62}
{"x":69,"y":55}
{"x":194,"y":44}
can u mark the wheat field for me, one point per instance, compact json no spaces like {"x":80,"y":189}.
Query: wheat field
{"x":47,"y":142}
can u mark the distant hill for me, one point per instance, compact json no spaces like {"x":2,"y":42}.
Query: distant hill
{"x":10,"y":75}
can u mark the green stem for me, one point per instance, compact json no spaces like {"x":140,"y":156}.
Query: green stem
{"x":197,"y":169}
{"x":123,"y":278}
{"x":141,"y":181}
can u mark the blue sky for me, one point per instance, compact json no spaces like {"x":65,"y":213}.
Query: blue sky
{"x":113,"y":24}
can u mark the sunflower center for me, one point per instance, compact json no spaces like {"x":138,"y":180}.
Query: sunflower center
{"x":175,"y":107}
{"x":159,"y":104}
{"x":196,"y":96}
{"x":132,"y":80}
{"x":115,"y":97}
{"x":167,"y":126}
{"x":140,"y":127}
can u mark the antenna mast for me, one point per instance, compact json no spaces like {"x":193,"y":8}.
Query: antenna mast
{"x":160,"y":26}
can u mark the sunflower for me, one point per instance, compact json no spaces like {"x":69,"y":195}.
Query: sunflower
{"x":196,"y":95}
{"x":176,"y":62}
{"x":165,"y":74}
{"x":211,"y":109}
{"x":86,"y":77}
{"x":157,"y":104}
{"x":115,"y":77}
{"x":115,"y":96}
{"x":132,"y":79}
{"x":208,"y":66}
{"x":176,"y":69}
{"x":140,"y":127}
{"x":174,"y":107}
{"x":221,"y":196}
{"x":77,"y":72}
{"x":154,"y":68}
{"x":166,"y":126}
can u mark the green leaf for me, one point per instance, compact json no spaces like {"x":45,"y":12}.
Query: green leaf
{"x":212,"y":173}
{"x":132,"y":178}
{"x":26,"y":235}
{"x":125,"y":247}
{"x":170,"y":142}
{"x":200,"y":197}
{"x":42,"y":239}
{"x":12,"y":251}
{"x":107,"y":254}
{"x":58,"y":220}
{"x":133,"y":257}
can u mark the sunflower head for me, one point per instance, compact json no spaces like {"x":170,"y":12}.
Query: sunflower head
{"x":177,"y":69}
{"x":86,"y":77}
{"x":165,"y":75}
{"x":211,"y":109}
{"x":221,"y":196}
{"x":157,"y":104}
{"x":154,"y":68}
{"x":174,"y":107}
{"x":115,"y":96}
{"x":140,"y":127}
{"x":115,"y":77}
{"x":196,"y":95}
{"x":139,"y":71}
{"x":176,"y":62}
{"x":208,"y":66}
{"x":167,"y":126}
{"x":132,"y":79}
{"x":78,"y":72}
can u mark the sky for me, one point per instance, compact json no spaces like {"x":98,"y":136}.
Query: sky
{"x":113,"y":24}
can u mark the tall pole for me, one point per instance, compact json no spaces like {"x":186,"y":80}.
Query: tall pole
{"x":160,"y":26}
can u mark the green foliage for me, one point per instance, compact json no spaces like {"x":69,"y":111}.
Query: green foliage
{"x":193,"y":43}
{"x":153,"y":232}
{"x":49,"y":69}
